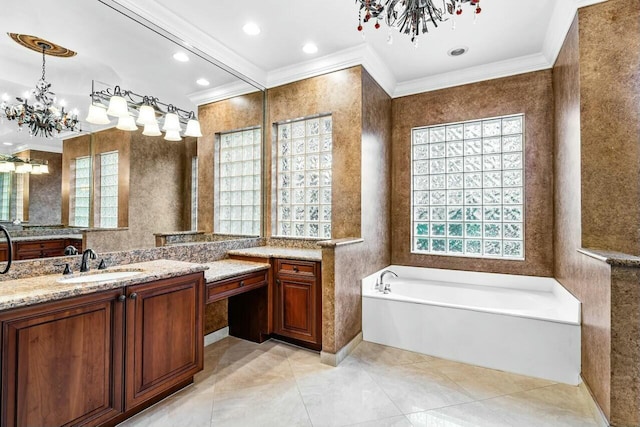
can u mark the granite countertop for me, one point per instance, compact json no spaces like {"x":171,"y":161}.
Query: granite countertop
{"x":47,"y":237}
{"x":226,"y":268}
{"x":279,"y":252}
{"x":34,"y":290}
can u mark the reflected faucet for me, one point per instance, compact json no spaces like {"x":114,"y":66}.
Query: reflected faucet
{"x":86,"y":255}
{"x":384,"y":287}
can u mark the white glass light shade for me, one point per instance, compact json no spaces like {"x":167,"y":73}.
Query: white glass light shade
{"x":118,"y":107}
{"x":44,"y":168}
{"x":193,"y":128}
{"x":126,"y":123}
{"x":147,"y":115}
{"x":10,"y":166}
{"x":23,"y":168}
{"x":171,"y":122}
{"x":173,"y":135}
{"x":97,"y":115}
{"x":151,"y":129}
{"x":4,"y":166}
{"x":35,"y":170}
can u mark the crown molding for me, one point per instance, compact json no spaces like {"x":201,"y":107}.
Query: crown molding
{"x":220,"y":93}
{"x":193,"y":38}
{"x":494,"y":70}
{"x":358,"y":55}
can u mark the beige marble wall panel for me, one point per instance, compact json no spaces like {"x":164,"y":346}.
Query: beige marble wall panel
{"x":338,"y":93}
{"x":625,"y":346}
{"x":610,"y":126}
{"x":216,"y":316}
{"x":586,"y":278}
{"x":45,"y":190}
{"x":530,"y":94}
{"x":328,"y":301}
{"x":72,"y":148}
{"x":222,"y":116}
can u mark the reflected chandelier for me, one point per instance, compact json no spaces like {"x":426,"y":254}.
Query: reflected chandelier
{"x":410,"y":16}
{"x":120,"y":103}
{"x":42,"y":118}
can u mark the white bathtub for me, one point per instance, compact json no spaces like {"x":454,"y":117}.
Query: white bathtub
{"x":521,"y":324}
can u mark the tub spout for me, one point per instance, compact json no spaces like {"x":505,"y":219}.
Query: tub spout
{"x":384,"y":287}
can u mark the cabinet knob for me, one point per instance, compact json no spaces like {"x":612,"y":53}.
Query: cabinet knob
{"x":121,"y":298}
{"x":241,"y":283}
{"x":278,"y":282}
{"x":295,"y":268}
{"x":133,"y":296}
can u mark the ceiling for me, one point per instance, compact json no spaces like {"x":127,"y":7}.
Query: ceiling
{"x":117,"y":50}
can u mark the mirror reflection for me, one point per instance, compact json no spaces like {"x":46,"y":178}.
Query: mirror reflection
{"x":114,"y":176}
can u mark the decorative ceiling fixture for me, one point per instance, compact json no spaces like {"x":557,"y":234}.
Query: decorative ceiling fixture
{"x":42,"y":118}
{"x":410,"y":16}
{"x":120,"y":103}
{"x":20,"y":165}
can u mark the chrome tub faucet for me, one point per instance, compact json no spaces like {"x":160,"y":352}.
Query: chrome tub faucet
{"x":384,"y":287}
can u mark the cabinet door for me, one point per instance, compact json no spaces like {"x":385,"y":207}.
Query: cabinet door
{"x":62,"y":362}
{"x":297,"y":308}
{"x":164,"y":341}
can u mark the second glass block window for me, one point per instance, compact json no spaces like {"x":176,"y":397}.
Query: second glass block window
{"x":238,"y":183}
{"x":108,"y":190}
{"x":303,"y":186}
{"x":468,"y":188}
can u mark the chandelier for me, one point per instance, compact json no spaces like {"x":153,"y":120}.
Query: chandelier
{"x":410,"y":16}
{"x":125,"y":104}
{"x":42,"y":118}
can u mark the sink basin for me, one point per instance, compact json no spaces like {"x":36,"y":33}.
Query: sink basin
{"x":99,"y":277}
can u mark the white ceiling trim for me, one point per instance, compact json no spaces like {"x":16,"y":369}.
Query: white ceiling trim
{"x":491,"y":71}
{"x":220,"y":93}
{"x":195,"y":37}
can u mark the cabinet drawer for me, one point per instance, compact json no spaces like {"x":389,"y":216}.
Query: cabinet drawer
{"x":235,"y":285}
{"x":305,"y":268}
{"x":40,"y":244}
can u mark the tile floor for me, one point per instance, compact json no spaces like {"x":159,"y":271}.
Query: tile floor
{"x":274,"y":384}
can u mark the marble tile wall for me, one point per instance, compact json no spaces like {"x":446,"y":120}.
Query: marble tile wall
{"x":45,"y":190}
{"x":588,"y":279}
{"x":610,"y":126}
{"x":230,"y":114}
{"x":530,"y":94}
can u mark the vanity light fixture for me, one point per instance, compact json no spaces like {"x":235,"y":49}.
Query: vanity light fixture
{"x":19,"y":165}
{"x":127,"y":105}
{"x":411,"y":16}
{"x":42,"y":117}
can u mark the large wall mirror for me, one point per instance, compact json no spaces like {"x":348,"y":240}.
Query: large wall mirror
{"x":125,"y":182}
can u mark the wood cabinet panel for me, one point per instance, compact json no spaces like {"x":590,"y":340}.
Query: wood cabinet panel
{"x":62,"y":362}
{"x":236,"y":285}
{"x":163,"y":346}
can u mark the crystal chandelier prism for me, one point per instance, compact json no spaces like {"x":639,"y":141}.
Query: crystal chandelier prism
{"x":42,"y":118}
{"x":411,"y":17}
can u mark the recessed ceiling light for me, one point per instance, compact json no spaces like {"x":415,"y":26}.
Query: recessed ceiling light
{"x":310,"y":48}
{"x":457,"y":51}
{"x":180,"y":56}
{"x":5,"y":97}
{"x":7,"y":143}
{"x":203,"y":82}
{"x":251,"y":28}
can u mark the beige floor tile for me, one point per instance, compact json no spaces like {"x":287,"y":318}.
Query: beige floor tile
{"x":270,"y":405}
{"x":418,"y":387}
{"x":474,"y":414}
{"x":256,"y":369}
{"x":557,"y":405}
{"x":399,"y":421}
{"x":344,"y":395}
{"x":181,"y":410}
{"x":483,"y":383}
{"x":379,"y":354}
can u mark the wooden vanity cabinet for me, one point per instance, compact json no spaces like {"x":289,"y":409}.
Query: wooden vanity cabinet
{"x":45,"y":248}
{"x":100,"y":358}
{"x":297,"y":303}
{"x":62,"y":362}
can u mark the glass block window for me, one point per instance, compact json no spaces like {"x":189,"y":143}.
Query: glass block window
{"x":238,"y":171}
{"x":5,"y":195}
{"x":194,"y":193}
{"x":303,"y":178}
{"x":108,"y":190}
{"x":468,"y":188}
{"x":80,"y":192}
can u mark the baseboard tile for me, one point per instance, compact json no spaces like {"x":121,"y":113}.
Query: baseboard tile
{"x":216,"y":336}
{"x":595,"y":408}
{"x":335,"y":359}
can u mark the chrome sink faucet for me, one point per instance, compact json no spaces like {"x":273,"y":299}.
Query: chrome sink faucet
{"x":86,"y":255}
{"x":384,"y":287}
